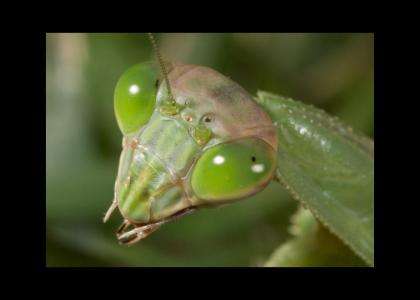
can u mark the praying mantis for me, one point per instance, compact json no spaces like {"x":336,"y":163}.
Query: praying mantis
{"x":193,"y":138}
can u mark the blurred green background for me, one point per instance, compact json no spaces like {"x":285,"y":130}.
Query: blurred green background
{"x":331,"y":71}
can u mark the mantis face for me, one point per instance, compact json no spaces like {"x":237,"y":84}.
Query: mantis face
{"x":208,"y":145}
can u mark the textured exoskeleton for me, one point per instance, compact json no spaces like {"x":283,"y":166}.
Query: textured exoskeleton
{"x":209,"y":145}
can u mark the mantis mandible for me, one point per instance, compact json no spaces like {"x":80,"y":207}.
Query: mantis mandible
{"x":193,"y":138}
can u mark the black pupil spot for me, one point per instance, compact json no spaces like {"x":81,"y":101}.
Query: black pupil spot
{"x":253,"y":159}
{"x":207,"y":119}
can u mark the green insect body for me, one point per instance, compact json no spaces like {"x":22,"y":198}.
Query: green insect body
{"x":206,"y":142}
{"x":328,"y":167}
{"x":209,"y":145}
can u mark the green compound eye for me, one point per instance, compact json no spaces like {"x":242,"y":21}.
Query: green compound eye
{"x":233,"y":170}
{"x":135,"y":96}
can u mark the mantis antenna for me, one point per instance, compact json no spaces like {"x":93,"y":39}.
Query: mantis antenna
{"x":162,"y":65}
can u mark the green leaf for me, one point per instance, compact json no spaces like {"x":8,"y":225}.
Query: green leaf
{"x":312,"y":246}
{"x":326,"y":166}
